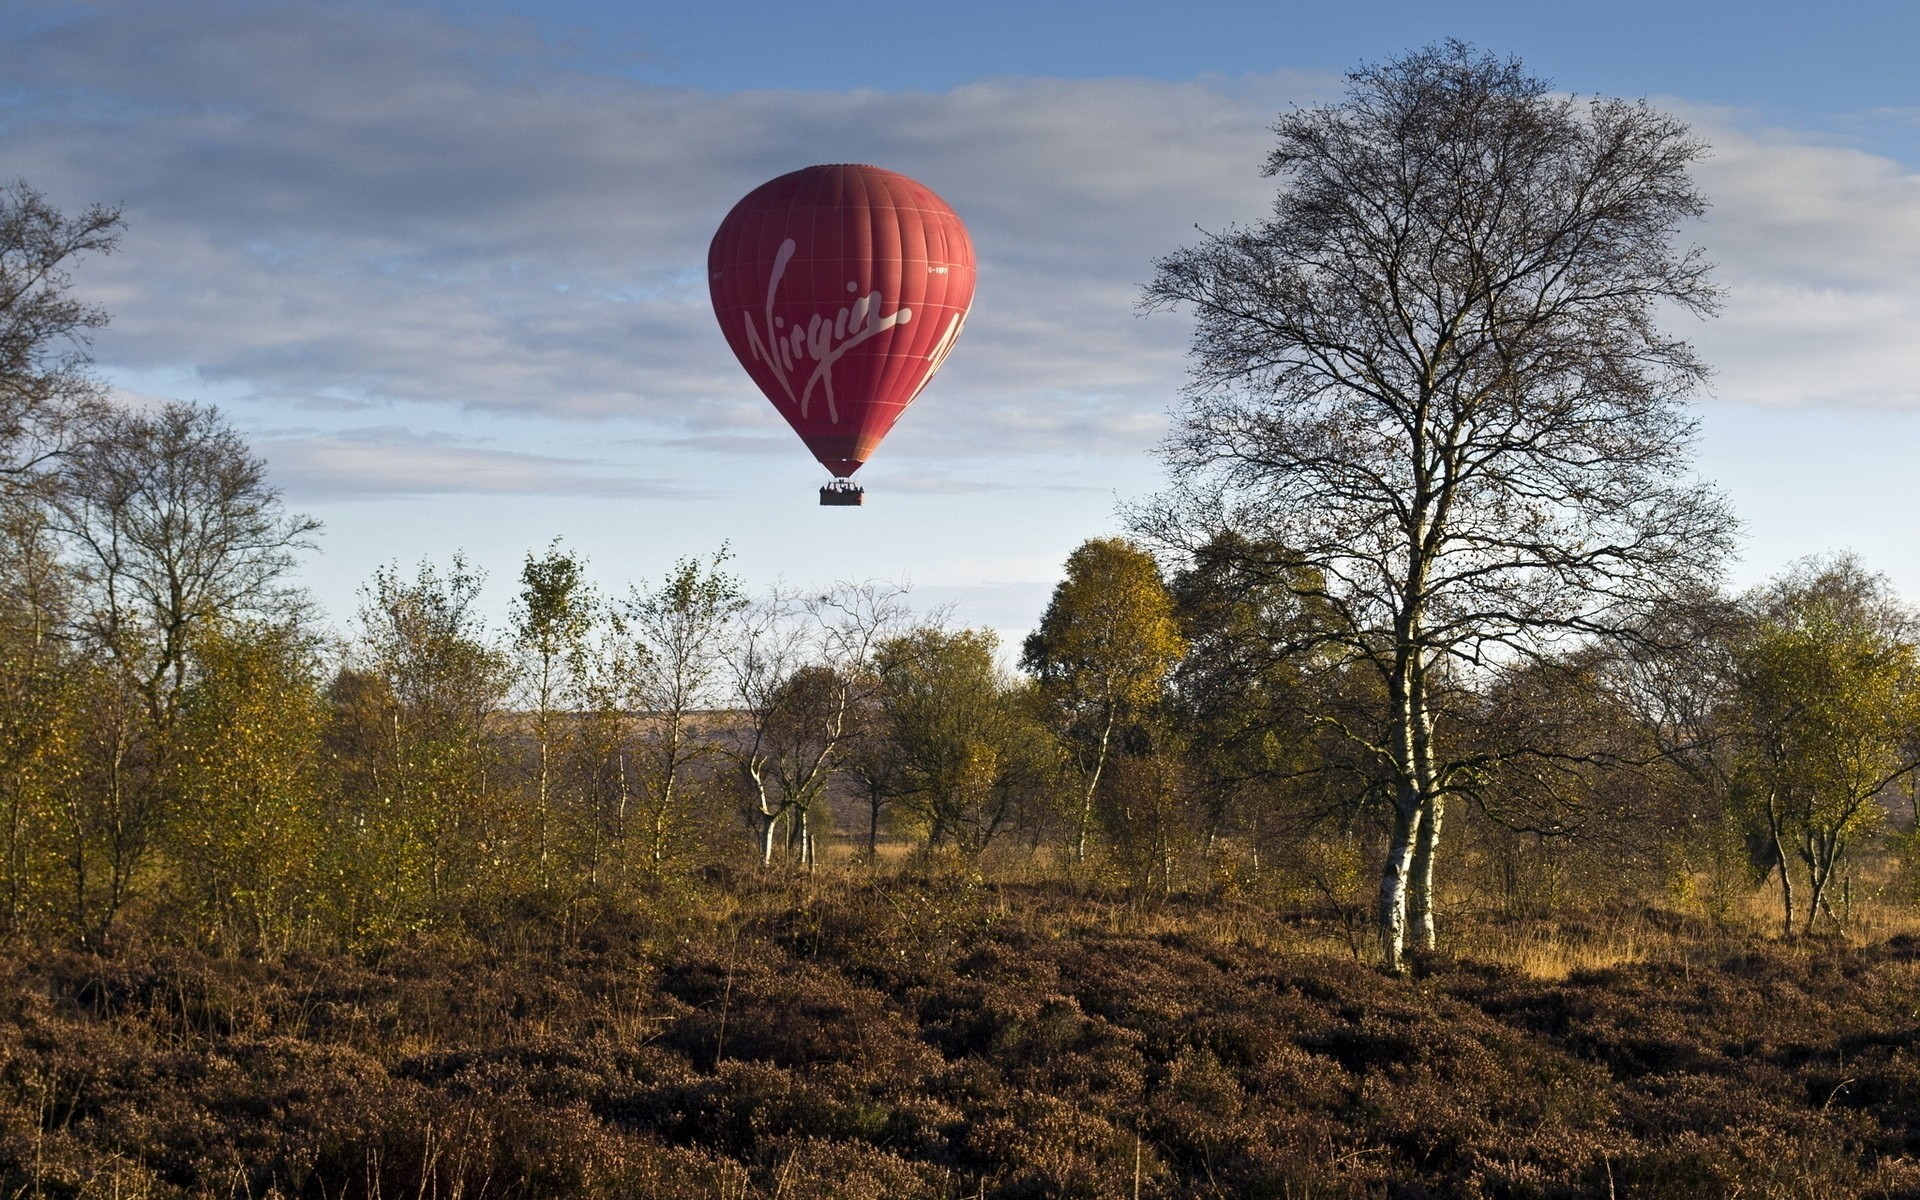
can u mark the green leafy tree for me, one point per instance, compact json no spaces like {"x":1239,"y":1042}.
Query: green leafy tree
{"x":1827,"y":701}
{"x":1251,"y":696}
{"x":553,"y":620}
{"x":40,"y":681}
{"x":680,"y":630}
{"x":420,"y":827}
{"x":168,"y":523}
{"x":970,"y":760}
{"x":49,"y":402}
{"x":600,"y":766}
{"x":1147,"y":809}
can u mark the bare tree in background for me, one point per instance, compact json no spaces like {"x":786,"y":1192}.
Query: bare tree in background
{"x":46,"y":389}
{"x":1434,"y":376}
{"x":171,"y":520}
{"x":803,"y":680}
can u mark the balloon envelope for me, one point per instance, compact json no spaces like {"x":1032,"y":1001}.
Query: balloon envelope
{"x":841,"y":289}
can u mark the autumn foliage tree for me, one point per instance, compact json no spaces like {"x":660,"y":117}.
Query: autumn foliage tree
{"x":553,"y":621}
{"x":419,"y":814}
{"x":247,"y":838}
{"x":1104,"y":649}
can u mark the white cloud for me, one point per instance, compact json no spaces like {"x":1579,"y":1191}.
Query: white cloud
{"x":331,"y":207}
{"x":1819,"y":248}
{"x":337,"y":208}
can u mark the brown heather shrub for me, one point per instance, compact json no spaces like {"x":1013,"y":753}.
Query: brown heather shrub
{"x":950,"y":1041}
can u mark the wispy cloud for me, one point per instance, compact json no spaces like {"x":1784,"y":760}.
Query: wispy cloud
{"x":380,"y":464}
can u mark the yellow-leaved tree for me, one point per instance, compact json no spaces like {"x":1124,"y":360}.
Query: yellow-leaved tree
{"x":247,"y":831}
{"x":1104,"y":650}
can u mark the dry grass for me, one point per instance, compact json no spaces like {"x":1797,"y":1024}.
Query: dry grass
{"x":1542,"y":952}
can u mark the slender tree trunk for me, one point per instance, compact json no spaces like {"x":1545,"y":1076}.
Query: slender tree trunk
{"x":78,"y":864}
{"x":1420,"y":887}
{"x":541,"y":813}
{"x":1433,"y":810}
{"x":1409,"y":806}
{"x":663,"y":811}
{"x":769,"y":826}
{"x":1085,"y":824}
{"x":1780,"y":859}
{"x":16,"y":849}
{"x":116,"y":814}
{"x":1393,"y":881}
{"x":1821,"y":854}
{"x":1814,"y":887}
{"x":1166,"y":866}
{"x":623,"y":802}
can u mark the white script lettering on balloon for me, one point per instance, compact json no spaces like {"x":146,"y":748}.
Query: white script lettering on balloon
{"x":824,"y":340}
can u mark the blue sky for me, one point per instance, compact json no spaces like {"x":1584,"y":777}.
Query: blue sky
{"x":1846,"y":68}
{"x":1849,"y":55}
{"x":442,"y":261}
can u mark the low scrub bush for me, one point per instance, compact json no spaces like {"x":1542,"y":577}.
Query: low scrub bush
{"x":947,"y":1043}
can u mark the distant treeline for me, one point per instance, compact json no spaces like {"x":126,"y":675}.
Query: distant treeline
{"x":183,"y":738}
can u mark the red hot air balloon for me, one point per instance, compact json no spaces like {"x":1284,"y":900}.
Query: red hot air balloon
{"x":841,"y":289}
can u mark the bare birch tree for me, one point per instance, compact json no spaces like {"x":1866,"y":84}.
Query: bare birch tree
{"x":1435,"y":376}
{"x":804,"y":679}
{"x":47,"y":392}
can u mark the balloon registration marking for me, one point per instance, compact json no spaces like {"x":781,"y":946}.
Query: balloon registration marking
{"x":825,"y":341}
